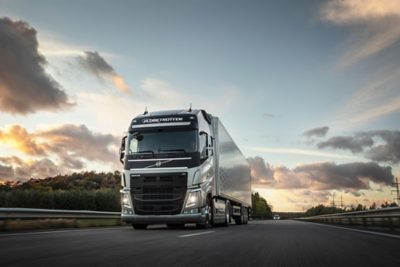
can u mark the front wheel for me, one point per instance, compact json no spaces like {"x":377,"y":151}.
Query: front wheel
{"x":209,"y":215}
{"x":139,"y":226}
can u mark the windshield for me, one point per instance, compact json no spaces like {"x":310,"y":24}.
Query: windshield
{"x":163,"y":141}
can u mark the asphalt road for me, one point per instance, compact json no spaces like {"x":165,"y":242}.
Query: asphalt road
{"x":271,"y":243}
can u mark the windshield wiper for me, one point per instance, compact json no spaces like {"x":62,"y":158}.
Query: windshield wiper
{"x":144,"y":152}
{"x":173,"y":151}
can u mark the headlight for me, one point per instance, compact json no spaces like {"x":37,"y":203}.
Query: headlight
{"x":126,"y":203}
{"x":194,"y":199}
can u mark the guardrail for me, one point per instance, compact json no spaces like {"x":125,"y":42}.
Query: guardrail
{"x":383,"y":218}
{"x":25,"y":213}
{"x":12,"y":219}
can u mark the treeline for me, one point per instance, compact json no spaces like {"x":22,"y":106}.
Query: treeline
{"x":261,"y":209}
{"x":78,"y":191}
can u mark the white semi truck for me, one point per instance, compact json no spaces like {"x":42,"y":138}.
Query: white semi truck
{"x":182,"y":166}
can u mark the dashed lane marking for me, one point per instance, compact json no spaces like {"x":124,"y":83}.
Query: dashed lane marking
{"x":196,"y":234}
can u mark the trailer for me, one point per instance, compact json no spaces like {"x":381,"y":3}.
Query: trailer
{"x":182,"y":166}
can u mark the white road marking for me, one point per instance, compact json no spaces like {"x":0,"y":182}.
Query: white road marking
{"x":195,"y":234}
{"x":58,"y":231}
{"x":361,"y":231}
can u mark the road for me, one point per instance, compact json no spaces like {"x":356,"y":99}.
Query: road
{"x":270,"y":243}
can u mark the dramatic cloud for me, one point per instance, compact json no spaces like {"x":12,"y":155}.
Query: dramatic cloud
{"x":374,"y":22}
{"x":317,"y":132}
{"x":259,"y":169}
{"x":6,"y":172}
{"x":18,"y":169}
{"x":355,"y":145}
{"x":25,"y":87}
{"x":320,"y":176}
{"x":381,"y":146}
{"x":17,"y":136}
{"x":72,"y":146}
{"x":95,"y":64}
{"x":79,"y":141}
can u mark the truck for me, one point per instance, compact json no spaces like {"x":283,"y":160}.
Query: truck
{"x":182,"y":167}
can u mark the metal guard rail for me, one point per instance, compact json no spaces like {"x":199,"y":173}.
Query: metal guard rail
{"x":387,"y":217}
{"x":25,"y":213}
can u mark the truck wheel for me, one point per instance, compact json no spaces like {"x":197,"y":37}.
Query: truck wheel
{"x":246,"y":215}
{"x":139,"y":226}
{"x":209,"y":216}
{"x":227,"y":214}
{"x":240,"y":219}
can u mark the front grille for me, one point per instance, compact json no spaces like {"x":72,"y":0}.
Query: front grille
{"x":157,"y":194}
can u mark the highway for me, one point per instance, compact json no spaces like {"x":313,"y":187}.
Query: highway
{"x":269,"y":243}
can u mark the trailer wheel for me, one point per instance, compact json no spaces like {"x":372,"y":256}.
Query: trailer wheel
{"x":139,"y":226}
{"x":240,"y":219}
{"x":227,"y":214}
{"x":209,"y":216}
{"x":246,"y":215}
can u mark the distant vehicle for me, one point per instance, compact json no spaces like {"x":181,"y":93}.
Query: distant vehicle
{"x":277,"y":217}
{"x":182,"y":166}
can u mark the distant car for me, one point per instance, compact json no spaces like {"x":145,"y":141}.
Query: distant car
{"x":277,"y":217}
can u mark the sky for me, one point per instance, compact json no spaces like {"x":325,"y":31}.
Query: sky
{"x":309,"y":90}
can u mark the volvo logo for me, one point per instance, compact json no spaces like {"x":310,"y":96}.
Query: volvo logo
{"x":158,"y":163}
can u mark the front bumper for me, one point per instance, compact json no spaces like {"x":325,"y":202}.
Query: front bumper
{"x":163,"y":219}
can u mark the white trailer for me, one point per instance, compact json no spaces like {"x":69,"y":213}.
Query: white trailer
{"x":182,"y":166}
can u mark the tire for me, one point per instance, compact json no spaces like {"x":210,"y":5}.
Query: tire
{"x":246,"y":215}
{"x":240,"y":219}
{"x":227,"y":214}
{"x":139,"y":226}
{"x":209,"y":216}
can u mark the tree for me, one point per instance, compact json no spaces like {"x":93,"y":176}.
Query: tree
{"x":261,"y":209}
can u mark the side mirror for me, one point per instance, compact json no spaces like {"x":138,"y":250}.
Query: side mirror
{"x":203,"y":145}
{"x":122,"y":150}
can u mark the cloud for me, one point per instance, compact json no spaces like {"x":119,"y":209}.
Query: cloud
{"x":78,"y":141}
{"x":18,"y":137}
{"x":269,"y":115}
{"x":375,"y":25}
{"x":381,"y":145}
{"x":355,"y":145}
{"x":72,"y":146}
{"x":18,"y":169}
{"x":378,"y":97}
{"x":316,"y":132}
{"x":354,"y":11}
{"x":6,"y":172}
{"x":25,"y":87}
{"x":260,"y":169}
{"x":297,"y":151}
{"x":320,"y":176}
{"x":96,"y":64}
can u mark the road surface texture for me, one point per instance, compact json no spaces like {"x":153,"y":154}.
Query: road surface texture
{"x":269,"y":243}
